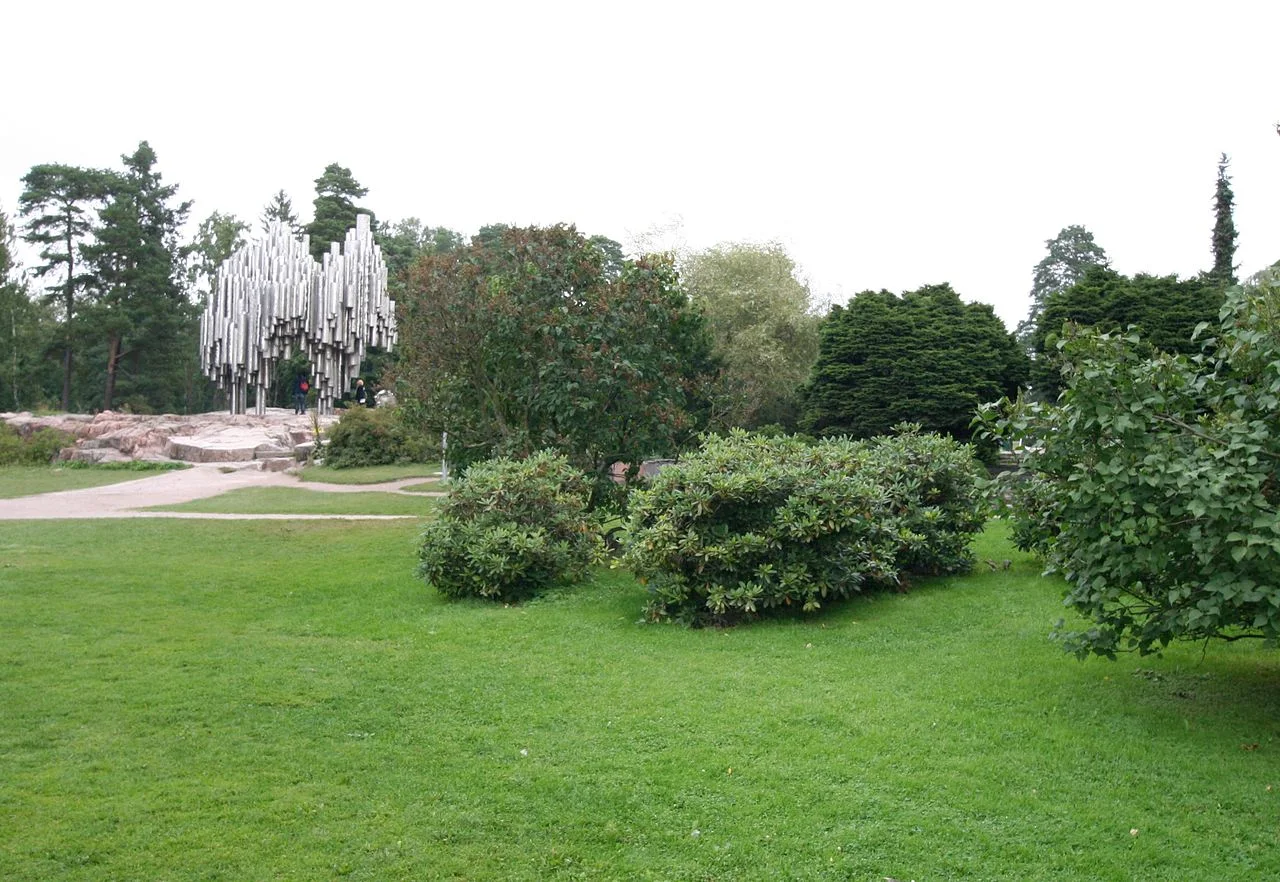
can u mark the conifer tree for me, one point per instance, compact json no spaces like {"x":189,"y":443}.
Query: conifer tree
{"x":1224,"y":228}
{"x":58,"y":204}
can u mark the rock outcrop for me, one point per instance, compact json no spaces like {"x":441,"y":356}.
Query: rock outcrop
{"x":272,"y":439}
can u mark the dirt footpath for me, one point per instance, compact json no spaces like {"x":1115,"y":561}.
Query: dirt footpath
{"x":123,"y":500}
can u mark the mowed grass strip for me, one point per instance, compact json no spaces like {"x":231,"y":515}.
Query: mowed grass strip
{"x":291,"y":500}
{"x":18,"y":481}
{"x":233,"y":700}
{"x":367,"y":474}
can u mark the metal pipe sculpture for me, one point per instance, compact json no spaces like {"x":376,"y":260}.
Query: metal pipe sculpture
{"x":272,"y":299}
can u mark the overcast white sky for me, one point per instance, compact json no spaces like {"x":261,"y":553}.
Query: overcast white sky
{"x":886,"y":145}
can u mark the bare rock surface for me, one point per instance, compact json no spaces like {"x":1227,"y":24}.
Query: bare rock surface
{"x":208,"y":437}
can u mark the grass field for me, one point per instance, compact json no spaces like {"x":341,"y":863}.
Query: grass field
{"x":367,"y":474}
{"x":235,"y":700}
{"x":291,"y":500}
{"x":18,"y":481}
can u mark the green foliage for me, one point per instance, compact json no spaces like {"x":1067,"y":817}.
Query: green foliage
{"x":375,"y":436}
{"x":511,"y":529}
{"x":280,"y":208}
{"x":751,"y":525}
{"x":144,"y":325}
{"x":335,"y":209}
{"x":925,"y":357}
{"x":39,"y":447}
{"x":28,"y":377}
{"x":1071,"y":254}
{"x":1155,"y":483}
{"x":1224,"y":228}
{"x":521,"y":341}
{"x":57,"y":205}
{"x":1162,"y":309}
{"x":217,"y":238}
{"x":764,"y":332}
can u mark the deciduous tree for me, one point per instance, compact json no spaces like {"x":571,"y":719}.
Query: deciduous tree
{"x":217,"y":238}
{"x":1153,"y":486}
{"x":522,"y":342}
{"x":1071,"y":254}
{"x":764,"y":330}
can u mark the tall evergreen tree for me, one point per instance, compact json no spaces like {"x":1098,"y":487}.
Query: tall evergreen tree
{"x":1163,"y":309}
{"x":142,"y":311}
{"x":925,"y":357}
{"x":58,"y":204}
{"x":280,"y":208}
{"x":1071,"y":253}
{"x":24,"y":331}
{"x":1224,"y":228}
{"x":335,"y":210}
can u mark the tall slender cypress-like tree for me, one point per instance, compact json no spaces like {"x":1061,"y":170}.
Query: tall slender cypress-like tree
{"x":58,"y":204}
{"x":1224,"y":228}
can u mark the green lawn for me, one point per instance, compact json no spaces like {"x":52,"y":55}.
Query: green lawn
{"x":367,"y":474}
{"x":291,"y":500}
{"x":222,"y":700}
{"x":425,"y":487}
{"x":18,"y":481}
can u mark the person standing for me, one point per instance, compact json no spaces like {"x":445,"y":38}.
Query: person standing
{"x":300,"y":387}
{"x":362,"y":394}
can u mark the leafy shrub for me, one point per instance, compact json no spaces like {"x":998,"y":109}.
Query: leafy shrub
{"x":934,"y":488}
{"x":751,"y":524}
{"x":365,"y":437}
{"x":1153,"y":484}
{"x":40,"y":447}
{"x":511,"y":529}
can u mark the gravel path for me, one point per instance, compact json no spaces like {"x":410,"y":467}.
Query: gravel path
{"x":169,"y":488}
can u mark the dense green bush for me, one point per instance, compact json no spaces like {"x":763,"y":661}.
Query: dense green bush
{"x":40,"y":447}
{"x":512,"y":528}
{"x":1152,"y":485}
{"x":750,"y":524}
{"x":375,"y":436}
{"x":934,"y":488}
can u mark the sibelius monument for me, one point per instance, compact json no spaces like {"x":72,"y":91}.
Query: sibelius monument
{"x":272,"y":299}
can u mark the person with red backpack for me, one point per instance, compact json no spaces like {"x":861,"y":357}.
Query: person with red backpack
{"x":300,"y":387}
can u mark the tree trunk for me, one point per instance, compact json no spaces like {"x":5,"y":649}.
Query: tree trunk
{"x":113,"y":356}
{"x":69,"y":295}
{"x":66,"y":380}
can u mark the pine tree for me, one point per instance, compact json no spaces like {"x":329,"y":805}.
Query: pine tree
{"x":335,"y":212}
{"x":1224,"y":228}
{"x":58,"y":204}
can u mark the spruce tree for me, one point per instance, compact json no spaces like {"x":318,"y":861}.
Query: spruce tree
{"x":142,"y":310}
{"x":280,"y":208}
